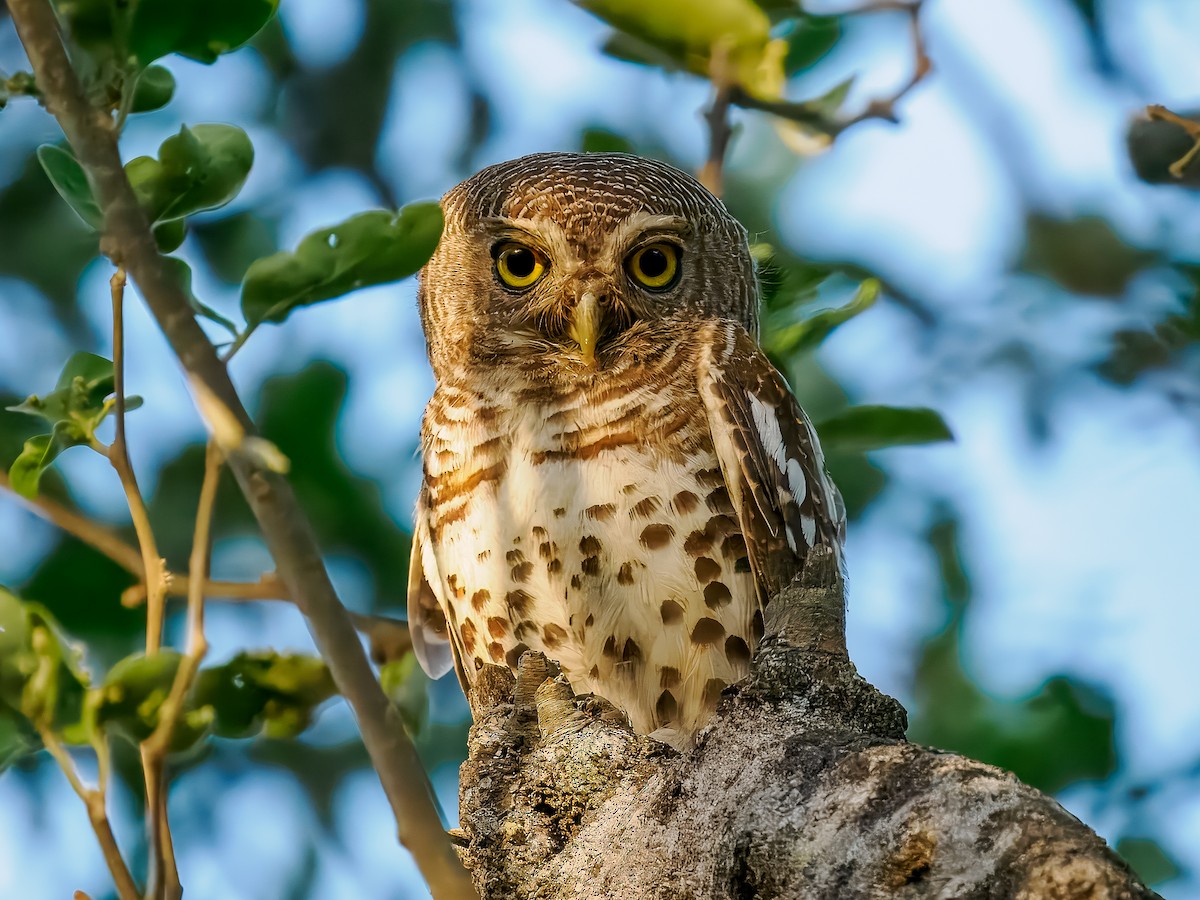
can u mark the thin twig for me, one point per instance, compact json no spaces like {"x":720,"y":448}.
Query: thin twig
{"x":155,"y":747}
{"x":118,"y":455}
{"x":94,"y":799}
{"x":881,"y":108}
{"x":711,"y":174}
{"x":288,"y":533}
{"x":91,"y":533}
{"x":1162,"y":114}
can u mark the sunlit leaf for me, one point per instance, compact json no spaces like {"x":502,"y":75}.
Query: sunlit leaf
{"x":875,"y":427}
{"x":695,"y":32}
{"x":370,"y":248}
{"x":69,"y":179}
{"x":198,"y":29}
{"x":201,"y":167}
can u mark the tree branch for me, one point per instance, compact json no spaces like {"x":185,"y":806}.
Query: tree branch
{"x":128,"y":240}
{"x":806,"y":113}
{"x":802,"y":787}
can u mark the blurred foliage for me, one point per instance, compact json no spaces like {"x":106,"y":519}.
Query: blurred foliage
{"x":331,"y":116}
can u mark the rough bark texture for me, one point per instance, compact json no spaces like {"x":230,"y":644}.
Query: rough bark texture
{"x":802,"y":787}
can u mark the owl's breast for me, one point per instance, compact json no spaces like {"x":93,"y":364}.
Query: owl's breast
{"x":593,"y":524}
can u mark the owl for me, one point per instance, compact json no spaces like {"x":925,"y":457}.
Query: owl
{"x":614,"y":473}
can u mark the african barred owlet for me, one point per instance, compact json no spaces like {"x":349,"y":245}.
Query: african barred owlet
{"x":614,"y":474}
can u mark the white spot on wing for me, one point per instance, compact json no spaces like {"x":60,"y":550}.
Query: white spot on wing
{"x":809,"y":524}
{"x":796,"y":480}
{"x":768,"y":431}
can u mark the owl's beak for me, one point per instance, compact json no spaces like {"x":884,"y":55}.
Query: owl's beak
{"x":586,"y":324}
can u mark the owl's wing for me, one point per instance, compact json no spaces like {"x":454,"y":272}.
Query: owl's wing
{"x":770,"y":458}
{"x":431,"y":636}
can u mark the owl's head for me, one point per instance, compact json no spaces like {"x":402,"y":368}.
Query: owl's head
{"x":577,"y":258}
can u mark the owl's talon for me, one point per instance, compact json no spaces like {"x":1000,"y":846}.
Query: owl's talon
{"x":556,"y":710}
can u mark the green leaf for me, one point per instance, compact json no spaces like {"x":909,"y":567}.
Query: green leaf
{"x":810,"y":39}
{"x":71,"y":182}
{"x":1148,"y":858}
{"x":272,"y":692}
{"x":406,"y":685}
{"x":41,"y":675}
{"x":202,"y":167}
{"x":810,"y":333}
{"x":134,"y":690}
{"x":18,"y":738}
{"x":154,"y":89}
{"x":181,"y":273}
{"x":875,"y":427}
{"x":694,"y":32}
{"x":370,"y":248}
{"x":198,"y":29}
{"x":169,"y":235}
{"x":25,"y":473}
{"x":14,"y":641}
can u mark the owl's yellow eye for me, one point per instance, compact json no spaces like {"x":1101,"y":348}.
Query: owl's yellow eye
{"x":655,"y":266}
{"x":519,"y":266}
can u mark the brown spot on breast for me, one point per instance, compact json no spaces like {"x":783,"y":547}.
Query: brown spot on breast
{"x":643,"y":509}
{"x":668,"y":677}
{"x":559,"y":512}
{"x":482,"y":555}
{"x":625,"y":573}
{"x":684,"y":502}
{"x":717,"y":595}
{"x":553,"y":635}
{"x":589,"y":621}
{"x":594,"y":672}
{"x":546,"y":550}
{"x":590,"y":565}
{"x":479,"y":598}
{"x":513,"y":656}
{"x":734,"y":546}
{"x":538,"y":533}
{"x":468,"y":632}
{"x":629,"y":488}
{"x":554,"y":566}
{"x":707,"y":631}
{"x":657,"y":536}
{"x":718,"y":501}
{"x":666,"y":709}
{"x":520,"y":573}
{"x":576,"y":582}
{"x":497,"y":627}
{"x":514,"y":557}
{"x":756,"y":626}
{"x":610,"y":646}
{"x":742,"y":564}
{"x":524,"y":629}
{"x":631,"y":652}
{"x":519,"y":602}
{"x":517,"y":539}
{"x":737,"y":650}
{"x":478,"y":664}
{"x":721,"y":525}
{"x":600,"y":512}
{"x":589,"y":545}
{"x":496,"y":651}
{"x":698,"y":542}
{"x":712,"y":691}
{"x":710,"y":478}
{"x":707,"y":569}
{"x":672,"y":612}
